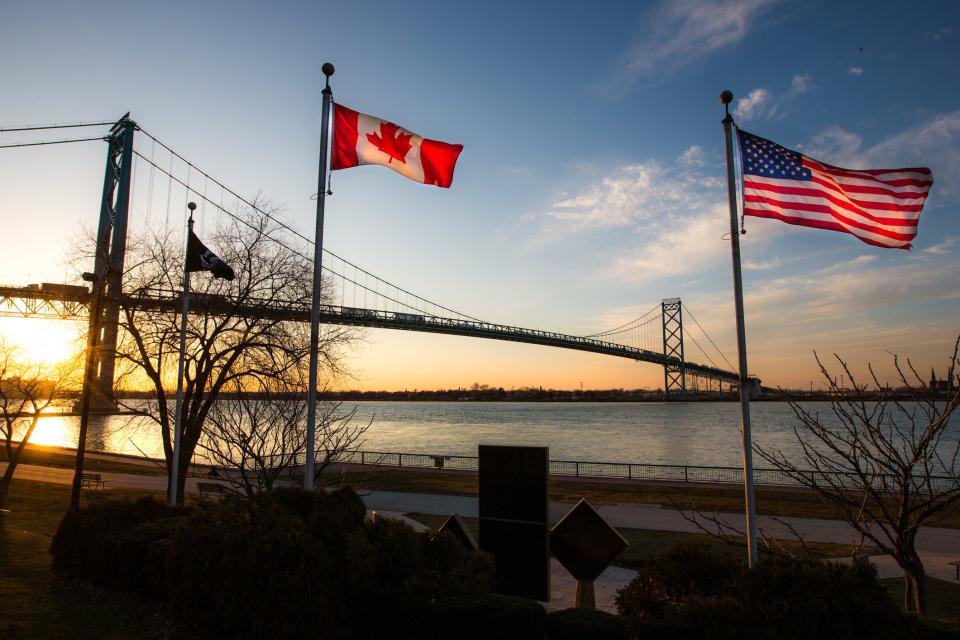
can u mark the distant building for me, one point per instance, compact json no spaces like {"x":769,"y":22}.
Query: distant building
{"x":938,"y":385}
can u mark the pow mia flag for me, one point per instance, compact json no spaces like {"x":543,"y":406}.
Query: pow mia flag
{"x":200,"y":258}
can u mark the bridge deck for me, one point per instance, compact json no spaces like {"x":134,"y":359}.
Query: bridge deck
{"x":22,"y":301}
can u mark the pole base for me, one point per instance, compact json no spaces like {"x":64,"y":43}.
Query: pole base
{"x":585,"y":598}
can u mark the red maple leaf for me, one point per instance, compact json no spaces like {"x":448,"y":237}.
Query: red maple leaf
{"x":392,"y":141}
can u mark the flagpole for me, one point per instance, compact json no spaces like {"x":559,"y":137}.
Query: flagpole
{"x":726,"y":98}
{"x":173,"y":492}
{"x":317,"y":259}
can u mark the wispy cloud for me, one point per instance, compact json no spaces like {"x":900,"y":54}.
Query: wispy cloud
{"x":692,"y":157}
{"x":760,"y":103}
{"x":632,"y":195}
{"x":939,"y":34}
{"x":757,"y":103}
{"x":761,"y":265}
{"x":941,"y":248}
{"x":681,"y":32}
{"x":934,"y":143}
{"x":855,"y":71}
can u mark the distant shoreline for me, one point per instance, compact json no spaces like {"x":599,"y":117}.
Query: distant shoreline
{"x":553,"y":395}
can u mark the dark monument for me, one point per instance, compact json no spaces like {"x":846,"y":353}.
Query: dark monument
{"x":585,"y":545}
{"x":514,"y":506}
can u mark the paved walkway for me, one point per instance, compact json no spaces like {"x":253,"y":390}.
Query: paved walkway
{"x":937,"y":546}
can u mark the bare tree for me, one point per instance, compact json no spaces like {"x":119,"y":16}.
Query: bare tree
{"x":260,"y":437}
{"x":27,"y":389}
{"x":883,"y":462}
{"x":238,"y":333}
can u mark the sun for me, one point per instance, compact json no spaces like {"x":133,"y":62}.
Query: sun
{"x":42,"y":341}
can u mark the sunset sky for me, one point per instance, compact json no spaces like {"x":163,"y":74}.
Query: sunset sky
{"x":591,"y":184}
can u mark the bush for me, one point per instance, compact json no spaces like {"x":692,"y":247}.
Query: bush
{"x":576,"y":624}
{"x":119,"y":545}
{"x":481,"y":618}
{"x":284,"y":564}
{"x":693,"y":592}
{"x":666,"y":582}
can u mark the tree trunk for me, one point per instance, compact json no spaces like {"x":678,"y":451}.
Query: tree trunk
{"x":918,"y":591}
{"x":4,"y":489}
{"x":915,"y":586}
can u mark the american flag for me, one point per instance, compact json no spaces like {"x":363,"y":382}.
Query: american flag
{"x":879,"y":206}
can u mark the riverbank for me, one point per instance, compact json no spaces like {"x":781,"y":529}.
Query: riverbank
{"x":795,"y":502}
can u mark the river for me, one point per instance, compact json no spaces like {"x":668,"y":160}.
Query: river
{"x":684,"y":433}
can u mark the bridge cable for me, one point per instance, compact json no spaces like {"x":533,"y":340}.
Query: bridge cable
{"x":291,"y":229}
{"x":690,"y":313}
{"x":705,"y":354}
{"x":46,"y":142}
{"x":43,"y":127}
{"x":623,"y":326}
{"x":296,"y":252}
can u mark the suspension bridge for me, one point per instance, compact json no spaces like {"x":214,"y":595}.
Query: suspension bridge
{"x":357,"y":297}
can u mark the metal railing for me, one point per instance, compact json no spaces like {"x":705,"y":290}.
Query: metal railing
{"x":637,"y":471}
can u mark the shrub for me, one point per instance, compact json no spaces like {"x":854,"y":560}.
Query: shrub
{"x":664,"y":583}
{"x":284,"y":564}
{"x":482,"y":618}
{"x":294,"y":563}
{"x":699,"y":593}
{"x":576,"y":624}
{"x":119,"y":545}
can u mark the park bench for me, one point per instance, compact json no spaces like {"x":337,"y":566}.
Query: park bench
{"x":956,"y":563}
{"x":94,"y":480}
{"x":211,"y":488}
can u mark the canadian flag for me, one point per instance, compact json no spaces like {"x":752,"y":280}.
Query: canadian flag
{"x":362,"y":139}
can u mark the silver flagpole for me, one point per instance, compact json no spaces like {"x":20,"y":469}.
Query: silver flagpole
{"x":174,"y":493}
{"x":315,"y":310}
{"x":726,"y":98}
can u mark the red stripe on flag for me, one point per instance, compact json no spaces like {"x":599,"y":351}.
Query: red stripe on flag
{"x":818,"y":224}
{"x":345,"y":134}
{"x":859,"y":207}
{"x":819,"y":208}
{"x":873,"y":191}
{"x":438,"y":160}
{"x":870,"y":177}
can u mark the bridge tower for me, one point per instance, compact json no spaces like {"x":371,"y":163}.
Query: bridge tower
{"x":674,"y":376}
{"x":111,"y":252}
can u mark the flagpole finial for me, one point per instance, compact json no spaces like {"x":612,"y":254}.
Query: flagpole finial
{"x":192,"y":206}
{"x":328,"y":70}
{"x":726,"y":97}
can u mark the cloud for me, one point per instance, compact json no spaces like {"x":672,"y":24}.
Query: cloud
{"x":683,"y":31}
{"x":692,"y":157}
{"x":758,"y":102}
{"x":941,"y":248}
{"x":685,"y":246}
{"x":761,"y":265}
{"x":855,"y":71}
{"x":934,"y":143}
{"x":633,"y":194}
{"x":800,"y":84}
{"x":938,"y":34}
{"x":761,"y":103}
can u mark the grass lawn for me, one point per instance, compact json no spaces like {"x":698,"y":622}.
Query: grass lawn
{"x":35,"y":602}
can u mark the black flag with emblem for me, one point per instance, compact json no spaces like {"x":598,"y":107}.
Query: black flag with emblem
{"x":199,"y":258}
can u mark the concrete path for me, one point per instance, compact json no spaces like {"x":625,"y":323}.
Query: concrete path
{"x":937,"y":546}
